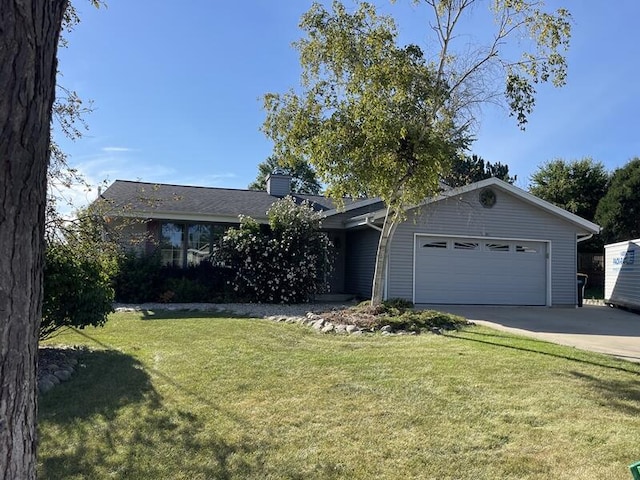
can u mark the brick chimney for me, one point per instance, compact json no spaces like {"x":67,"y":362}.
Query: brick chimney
{"x":278,"y":184}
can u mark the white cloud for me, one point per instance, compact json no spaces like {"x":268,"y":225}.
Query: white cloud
{"x":117,"y":149}
{"x":112,"y":163}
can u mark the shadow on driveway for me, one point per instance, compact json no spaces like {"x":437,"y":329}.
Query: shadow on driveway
{"x":593,"y":327}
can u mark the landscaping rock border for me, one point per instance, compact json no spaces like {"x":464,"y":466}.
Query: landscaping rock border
{"x":56,"y":364}
{"x":309,"y":314}
{"x":322,"y":325}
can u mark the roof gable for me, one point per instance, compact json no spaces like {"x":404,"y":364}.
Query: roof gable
{"x":580,"y":222}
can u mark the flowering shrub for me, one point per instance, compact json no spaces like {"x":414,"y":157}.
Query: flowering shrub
{"x":285,"y":262}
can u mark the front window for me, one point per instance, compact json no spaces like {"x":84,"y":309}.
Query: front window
{"x":182,"y":245}
{"x":172,"y":244}
{"x":199,"y":243}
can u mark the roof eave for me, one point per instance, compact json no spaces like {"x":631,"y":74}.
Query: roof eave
{"x":180,"y":216}
{"x":352,"y":206}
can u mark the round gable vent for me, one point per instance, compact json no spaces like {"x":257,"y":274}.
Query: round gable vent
{"x":487,"y":198}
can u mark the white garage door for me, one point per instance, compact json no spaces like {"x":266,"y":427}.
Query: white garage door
{"x":479,"y":271}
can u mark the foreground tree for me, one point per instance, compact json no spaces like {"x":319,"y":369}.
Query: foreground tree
{"x":618,"y":212}
{"x":384,"y":120}
{"x":303,"y":178}
{"x":470,"y":169}
{"x":28,"y":45}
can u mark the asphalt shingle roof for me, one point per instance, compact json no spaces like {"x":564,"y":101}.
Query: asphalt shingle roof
{"x":143,"y":197}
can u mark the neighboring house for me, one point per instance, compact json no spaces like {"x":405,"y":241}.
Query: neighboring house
{"x":488,"y":243}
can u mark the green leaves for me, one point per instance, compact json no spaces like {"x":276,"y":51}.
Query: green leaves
{"x":544,"y":39}
{"x":619,"y":210}
{"x":576,"y":186}
{"x":77,"y":289}
{"x":372,"y":117}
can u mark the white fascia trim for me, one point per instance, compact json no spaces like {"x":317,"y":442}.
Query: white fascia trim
{"x":352,"y":206}
{"x":518,"y":192}
{"x":181,"y":217}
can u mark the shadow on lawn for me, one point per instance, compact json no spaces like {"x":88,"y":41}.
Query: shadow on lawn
{"x":545,"y":348}
{"x":623,"y":395}
{"x":109,"y":422}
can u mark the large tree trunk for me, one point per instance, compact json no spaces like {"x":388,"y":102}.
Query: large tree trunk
{"x":29,"y":31}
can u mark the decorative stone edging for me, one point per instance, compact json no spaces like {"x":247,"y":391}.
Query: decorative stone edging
{"x":301,"y":314}
{"x":56,"y":365}
{"x":320,"y":324}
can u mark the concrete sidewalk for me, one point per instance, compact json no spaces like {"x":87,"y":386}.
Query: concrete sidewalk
{"x":596,"y":328}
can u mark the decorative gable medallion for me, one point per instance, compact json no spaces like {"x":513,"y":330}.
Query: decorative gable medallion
{"x":487,"y":198}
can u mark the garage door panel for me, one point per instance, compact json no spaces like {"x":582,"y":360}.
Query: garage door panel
{"x":473,"y":271}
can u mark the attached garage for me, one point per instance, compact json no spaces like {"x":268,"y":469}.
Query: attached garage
{"x":479,"y":271}
{"x":488,"y":243}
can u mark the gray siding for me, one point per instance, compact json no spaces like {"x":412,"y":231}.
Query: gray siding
{"x":337,"y":277}
{"x":509,"y":218}
{"x":360,"y":262}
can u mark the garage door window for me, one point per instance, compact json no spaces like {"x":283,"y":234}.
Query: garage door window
{"x":497,"y":247}
{"x":466,"y":246}
{"x":436,"y":244}
{"x":526,"y":249}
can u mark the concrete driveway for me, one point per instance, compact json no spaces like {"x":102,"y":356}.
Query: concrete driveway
{"x":597,"y":328}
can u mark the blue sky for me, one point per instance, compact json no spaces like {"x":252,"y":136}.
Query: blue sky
{"x":177,"y":89}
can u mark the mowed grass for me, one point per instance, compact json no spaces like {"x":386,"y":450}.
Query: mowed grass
{"x":189,"y":396}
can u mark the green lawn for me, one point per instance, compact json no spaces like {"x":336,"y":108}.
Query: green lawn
{"x":196,"y":397}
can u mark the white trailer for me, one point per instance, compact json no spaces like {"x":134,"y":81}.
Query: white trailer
{"x":622,"y":274}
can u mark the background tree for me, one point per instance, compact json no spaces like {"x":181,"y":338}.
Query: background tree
{"x":618,"y":212}
{"x":303,"y":178}
{"x":377,"y":118}
{"x":577,"y":185}
{"x":28,"y":46}
{"x":469,"y":169}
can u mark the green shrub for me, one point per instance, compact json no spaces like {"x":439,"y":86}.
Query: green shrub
{"x":398,"y":304}
{"x":422,"y":320}
{"x":139,"y":278}
{"x":185,"y":290}
{"x":77,"y":289}
{"x":285,"y":263}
